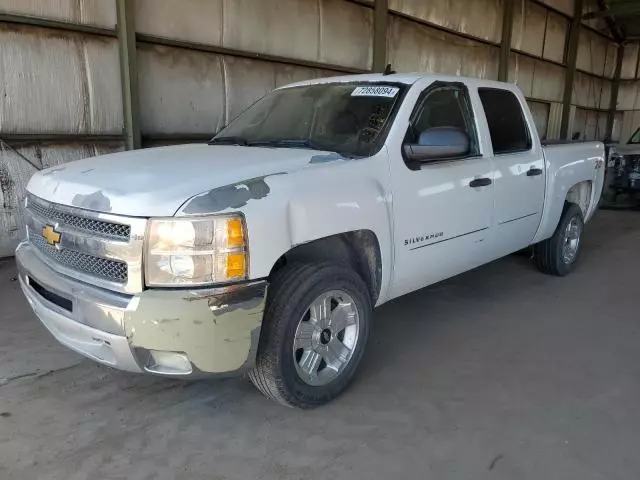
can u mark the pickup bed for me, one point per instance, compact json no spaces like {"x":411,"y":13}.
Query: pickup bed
{"x":266,"y":251}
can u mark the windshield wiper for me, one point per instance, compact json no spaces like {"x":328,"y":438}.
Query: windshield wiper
{"x":228,"y":141}
{"x":289,"y":143}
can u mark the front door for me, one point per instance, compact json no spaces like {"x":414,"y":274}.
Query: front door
{"x":442,"y":208}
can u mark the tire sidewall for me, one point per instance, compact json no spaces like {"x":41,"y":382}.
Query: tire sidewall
{"x":333,"y":278}
{"x":571,"y":211}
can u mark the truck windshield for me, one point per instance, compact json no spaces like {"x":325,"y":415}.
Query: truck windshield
{"x":635,"y":138}
{"x":351,"y":119}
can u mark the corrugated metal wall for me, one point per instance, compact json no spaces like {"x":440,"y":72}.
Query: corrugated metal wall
{"x":200,"y":62}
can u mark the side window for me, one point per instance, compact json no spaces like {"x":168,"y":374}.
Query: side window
{"x":444,"y":107}
{"x":508,"y":129}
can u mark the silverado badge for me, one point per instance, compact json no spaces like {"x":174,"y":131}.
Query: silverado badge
{"x":50,"y":235}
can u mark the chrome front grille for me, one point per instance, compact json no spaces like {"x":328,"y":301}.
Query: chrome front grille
{"x":82,"y":223}
{"x":111,"y":270}
{"x":97,"y":248}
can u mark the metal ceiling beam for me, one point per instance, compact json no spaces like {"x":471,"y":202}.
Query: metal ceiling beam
{"x":572,"y":56}
{"x":505,"y":44}
{"x":380,"y":25}
{"x":129,"y":73}
{"x":615,"y":9}
{"x":616,"y":31}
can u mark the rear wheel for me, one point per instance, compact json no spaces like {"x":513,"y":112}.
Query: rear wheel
{"x":314,"y":332}
{"x":558,"y":255}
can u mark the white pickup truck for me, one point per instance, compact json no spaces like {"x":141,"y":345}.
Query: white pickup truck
{"x":266,"y":250}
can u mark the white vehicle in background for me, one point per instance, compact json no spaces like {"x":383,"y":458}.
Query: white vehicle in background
{"x":624,"y":163}
{"x":266,"y":250}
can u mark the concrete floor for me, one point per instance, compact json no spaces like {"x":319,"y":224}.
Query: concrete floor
{"x":500,"y":373}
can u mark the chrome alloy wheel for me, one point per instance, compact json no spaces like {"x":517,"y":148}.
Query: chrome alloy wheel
{"x":571,"y":241}
{"x":326,"y":338}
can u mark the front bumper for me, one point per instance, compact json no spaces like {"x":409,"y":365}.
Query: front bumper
{"x":172,"y":332}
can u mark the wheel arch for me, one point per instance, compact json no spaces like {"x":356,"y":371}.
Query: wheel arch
{"x":580,"y":194}
{"x":360,"y":249}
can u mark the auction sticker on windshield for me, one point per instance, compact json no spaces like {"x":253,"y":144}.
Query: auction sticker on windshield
{"x":373,"y":91}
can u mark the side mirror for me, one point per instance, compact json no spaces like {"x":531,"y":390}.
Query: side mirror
{"x":437,"y":144}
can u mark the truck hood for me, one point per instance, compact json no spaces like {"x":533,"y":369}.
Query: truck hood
{"x":628,"y":149}
{"x":157,"y":181}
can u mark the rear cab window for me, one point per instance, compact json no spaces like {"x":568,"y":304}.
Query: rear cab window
{"x":507,"y":126}
{"x":635,"y":138}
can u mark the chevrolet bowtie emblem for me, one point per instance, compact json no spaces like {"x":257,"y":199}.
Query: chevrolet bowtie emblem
{"x":50,"y":235}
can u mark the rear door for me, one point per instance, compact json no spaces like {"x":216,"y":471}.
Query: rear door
{"x":519,"y":176}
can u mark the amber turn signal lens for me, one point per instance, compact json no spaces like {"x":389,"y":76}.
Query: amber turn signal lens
{"x":235,"y":233}
{"x":236,"y":266}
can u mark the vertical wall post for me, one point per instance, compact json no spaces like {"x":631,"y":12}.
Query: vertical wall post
{"x":380,"y":22}
{"x":505,"y":44}
{"x":615,"y":88}
{"x":129,"y":73}
{"x":571,"y":59}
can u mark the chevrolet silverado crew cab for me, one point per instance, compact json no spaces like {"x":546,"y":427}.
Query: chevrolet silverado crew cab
{"x":266,"y":250}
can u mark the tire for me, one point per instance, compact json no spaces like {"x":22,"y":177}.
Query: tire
{"x":284,"y":373}
{"x":549,"y":255}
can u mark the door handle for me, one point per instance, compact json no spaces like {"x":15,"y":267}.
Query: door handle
{"x":532,"y":172}
{"x":480,"y":182}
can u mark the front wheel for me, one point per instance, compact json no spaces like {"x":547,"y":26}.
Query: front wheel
{"x":314,"y":333}
{"x":558,"y":255}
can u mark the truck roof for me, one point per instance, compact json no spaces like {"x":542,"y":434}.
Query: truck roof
{"x":406,"y":78}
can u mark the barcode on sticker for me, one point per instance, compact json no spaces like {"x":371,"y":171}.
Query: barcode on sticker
{"x":388,"y":92}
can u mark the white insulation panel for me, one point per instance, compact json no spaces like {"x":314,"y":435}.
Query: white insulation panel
{"x":592,"y":52}
{"x":630,"y":60}
{"x":616,"y":134}
{"x":536,"y":78}
{"x":327,"y":31}
{"x":413,"y":47}
{"x":555,"y":37}
{"x":58,"y":82}
{"x":612,"y":58}
{"x":589,"y":124}
{"x":540,"y":113}
{"x":15,"y":173}
{"x":181,"y":91}
{"x":548,"y":81}
{"x":198,"y":21}
{"x":529,"y":23}
{"x":565,"y":6}
{"x":629,"y":96}
{"x":521,"y":72}
{"x":459,"y":15}
{"x":97,"y":13}
{"x":630,"y":123}
{"x":605,"y":94}
{"x":288,"y":28}
{"x":587,"y":91}
{"x":184,"y":91}
{"x":346,"y":34}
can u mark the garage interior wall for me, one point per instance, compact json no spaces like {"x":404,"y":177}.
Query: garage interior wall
{"x":201,"y":62}
{"x":629,"y":96}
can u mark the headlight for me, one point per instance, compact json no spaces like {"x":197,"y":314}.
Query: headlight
{"x":195,"y":251}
